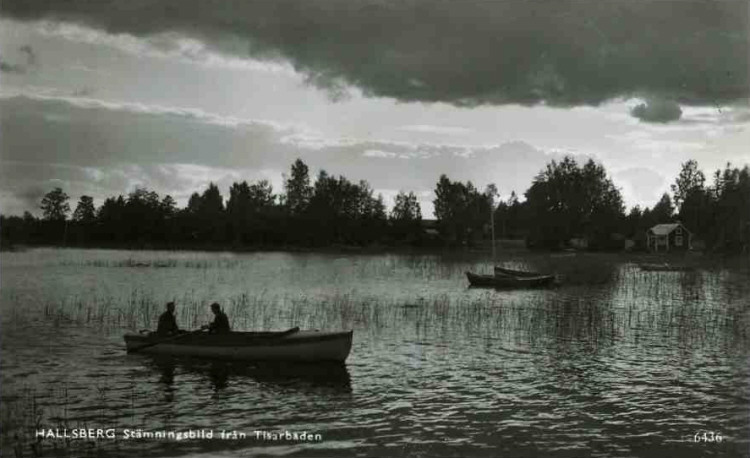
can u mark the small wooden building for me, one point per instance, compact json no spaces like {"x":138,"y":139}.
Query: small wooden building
{"x":669,"y":237}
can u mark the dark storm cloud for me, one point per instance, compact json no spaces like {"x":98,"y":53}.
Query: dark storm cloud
{"x":657,"y":111}
{"x":562,"y":52}
{"x":7,"y":67}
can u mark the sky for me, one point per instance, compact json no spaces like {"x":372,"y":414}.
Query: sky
{"x":101,"y":97}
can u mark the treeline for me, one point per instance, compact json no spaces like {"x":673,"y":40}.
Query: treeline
{"x":566,"y":202}
{"x":331,"y":211}
{"x":569,"y":202}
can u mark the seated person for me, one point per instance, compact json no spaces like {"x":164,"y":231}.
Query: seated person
{"x":220,"y":324}
{"x":167,"y":322}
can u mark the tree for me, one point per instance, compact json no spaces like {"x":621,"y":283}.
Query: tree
{"x":111,"y":218}
{"x":663,"y":211}
{"x":731,"y":209}
{"x":28,"y":218}
{"x":203,"y":220}
{"x":509,"y":218}
{"x":144,"y":217}
{"x":461,"y":210}
{"x":84,"y":217}
{"x":211,"y":215}
{"x":406,"y":208}
{"x":566,"y":201}
{"x":212,"y":204}
{"x":85,"y":211}
{"x":55,"y":205}
{"x":194,"y":204}
{"x":634,"y":222}
{"x":697,"y":212}
{"x":689,"y":181}
{"x":238,"y":210}
{"x":298,"y":189}
{"x":261,"y":196}
{"x":447,"y":198}
{"x":344,"y":212}
{"x":377,"y":209}
{"x":168,"y":206}
{"x":249,"y":210}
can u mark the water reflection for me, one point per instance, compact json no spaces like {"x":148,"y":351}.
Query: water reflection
{"x":221,"y":374}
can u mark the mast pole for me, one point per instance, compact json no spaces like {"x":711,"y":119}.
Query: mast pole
{"x":492,"y":226}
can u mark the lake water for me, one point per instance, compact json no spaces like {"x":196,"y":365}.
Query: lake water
{"x":634,"y":366}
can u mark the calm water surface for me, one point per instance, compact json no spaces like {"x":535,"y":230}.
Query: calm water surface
{"x":632,"y":367}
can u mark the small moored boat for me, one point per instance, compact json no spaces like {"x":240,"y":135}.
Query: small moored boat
{"x":665,"y":268}
{"x":507,"y":281}
{"x":293,"y":345}
{"x":517,"y":273}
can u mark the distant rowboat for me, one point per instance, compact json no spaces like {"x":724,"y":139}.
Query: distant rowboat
{"x":507,"y":281}
{"x":665,"y":268}
{"x":298,"y":346}
{"x":517,"y":273}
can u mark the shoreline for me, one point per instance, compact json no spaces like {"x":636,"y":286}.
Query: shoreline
{"x":693,"y":258}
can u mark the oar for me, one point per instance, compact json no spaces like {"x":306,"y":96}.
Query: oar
{"x":179,"y":336}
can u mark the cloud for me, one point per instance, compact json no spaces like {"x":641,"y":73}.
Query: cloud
{"x":164,"y":45}
{"x":100,"y":148}
{"x":439,"y":130}
{"x":30,"y":57}
{"x":561,"y":52}
{"x":657,"y":110}
{"x":60,"y":99}
{"x":28,"y":51}
{"x":640,"y":184}
{"x":83,"y":92}
{"x":378,"y":153}
{"x":7,"y":67}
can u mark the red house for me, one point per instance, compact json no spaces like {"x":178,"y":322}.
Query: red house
{"x":669,"y":237}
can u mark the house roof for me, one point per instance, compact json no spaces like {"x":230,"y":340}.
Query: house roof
{"x":665,"y":229}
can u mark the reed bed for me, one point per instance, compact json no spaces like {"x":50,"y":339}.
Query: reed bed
{"x":601,"y":298}
{"x":155,"y":263}
{"x":639,"y":306}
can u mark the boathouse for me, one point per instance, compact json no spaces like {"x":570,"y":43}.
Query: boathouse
{"x":669,"y":237}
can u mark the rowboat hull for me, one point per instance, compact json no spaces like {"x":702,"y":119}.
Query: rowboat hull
{"x":504,"y":281}
{"x":517,"y":273}
{"x":665,"y":268}
{"x":302,"y":346}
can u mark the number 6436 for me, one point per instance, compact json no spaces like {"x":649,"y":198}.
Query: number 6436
{"x":707,"y":436}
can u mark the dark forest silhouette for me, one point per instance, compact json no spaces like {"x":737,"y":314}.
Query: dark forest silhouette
{"x":565,"y":201}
